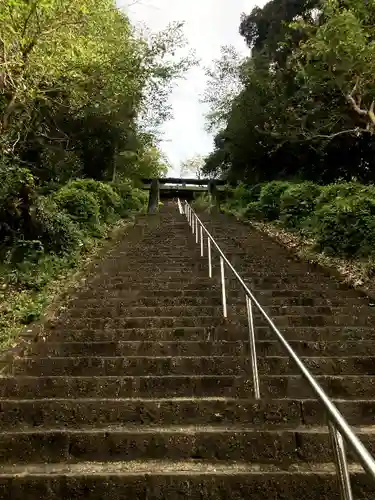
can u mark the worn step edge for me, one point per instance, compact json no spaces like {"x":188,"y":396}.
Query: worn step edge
{"x":182,"y":430}
{"x":165,"y":467}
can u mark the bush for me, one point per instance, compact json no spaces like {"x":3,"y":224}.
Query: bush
{"x":109,"y":201}
{"x":269,"y":198}
{"x":131,"y":198}
{"x":202,"y":202}
{"x":17,"y":194}
{"x":342,"y":190}
{"x":254,"y":192}
{"x":25,"y":250}
{"x":82,"y":206}
{"x":135,"y":202}
{"x":54,"y":228}
{"x":297,"y":203}
{"x":347,"y":226}
{"x":237,"y":199}
{"x":246,"y":194}
{"x":123,"y":187}
{"x":253,"y":211}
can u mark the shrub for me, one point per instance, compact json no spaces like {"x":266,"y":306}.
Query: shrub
{"x":253,"y":211}
{"x":202,"y":202}
{"x":80,"y":205}
{"x":131,"y":198}
{"x":253,"y":192}
{"x":241,"y":194}
{"x":25,"y":250}
{"x":269,"y":198}
{"x":342,"y":190}
{"x":123,"y":187}
{"x":346,"y":226}
{"x":109,"y":201}
{"x":17,"y":194}
{"x":297,"y":203}
{"x":136,"y":202}
{"x":54,"y":228}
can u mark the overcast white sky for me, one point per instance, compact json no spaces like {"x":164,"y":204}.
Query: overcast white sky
{"x":209,"y":24}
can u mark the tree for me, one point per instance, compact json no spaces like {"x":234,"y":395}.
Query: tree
{"x":306,"y":106}
{"x":223,"y":85}
{"x":339,"y":55}
{"x":192,"y":167}
{"x":76,"y":77}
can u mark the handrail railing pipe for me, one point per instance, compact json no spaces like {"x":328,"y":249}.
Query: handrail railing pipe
{"x":339,"y":429}
{"x":179,"y":206}
{"x":209,"y":258}
{"x":252,"y":346}
{"x":223,"y":289}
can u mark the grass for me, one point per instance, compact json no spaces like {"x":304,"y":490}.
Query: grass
{"x":30,"y":289}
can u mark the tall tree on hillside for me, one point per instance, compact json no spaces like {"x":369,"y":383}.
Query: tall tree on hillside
{"x":224,"y":83}
{"x":75,"y":77}
{"x":306,"y":108}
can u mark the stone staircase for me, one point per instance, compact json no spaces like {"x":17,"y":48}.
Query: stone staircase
{"x":141,"y":390}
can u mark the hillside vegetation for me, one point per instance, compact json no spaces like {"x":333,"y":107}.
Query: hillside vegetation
{"x":294,"y":125}
{"x":82,"y":97}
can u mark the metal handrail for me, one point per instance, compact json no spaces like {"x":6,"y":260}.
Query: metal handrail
{"x":338,"y":427}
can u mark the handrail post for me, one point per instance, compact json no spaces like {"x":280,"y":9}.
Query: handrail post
{"x":252,"y":347}
{"x":341,"y":462}
{"x":196,"y":231}
{"x":209,"y":257}
{"x":193,"y":224}
{"x":202,"y":254}
{"x":223,"y":291}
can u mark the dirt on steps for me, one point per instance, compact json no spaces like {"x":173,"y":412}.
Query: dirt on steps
{"x":140,"y":388}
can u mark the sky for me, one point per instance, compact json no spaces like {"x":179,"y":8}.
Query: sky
{"x":209,"y":24}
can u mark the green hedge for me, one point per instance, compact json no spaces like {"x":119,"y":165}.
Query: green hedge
{"x":297,"y":203}
{"x":82,"y":206}
{"x":270,"y":198}
{"x":109,"y":201}
{"x":55,"y":229}
{"x":346,"y":226}
{"x":340,"y":217}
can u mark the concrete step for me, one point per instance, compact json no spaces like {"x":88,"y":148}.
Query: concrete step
{"x":113,"y":332}
{"x":283,"y":412}
{"x":140,"y":348}
{"x":132,"y":365}
{"x":211,"y":298}
{"x":127,"y":322}
{"x":123,"y":311}
{"x":202,"y":442}
{"x":148,"y":293}
{"x":174,"y":480}
{"x":191,"y":348}
{"x":186,"y":365}
{"x":208,"y":299}
{"x":41,"y":401}
{"x":192,"y":290}
{"x":275,"y":386}
{"x":212,"y":318}
{"x":120,"y":310}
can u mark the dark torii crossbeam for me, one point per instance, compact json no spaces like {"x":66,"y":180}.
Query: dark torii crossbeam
{"x":172,"y":187}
